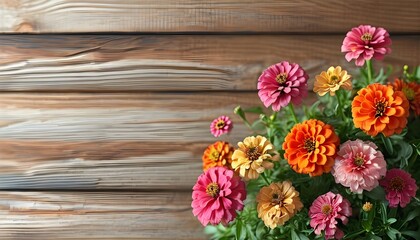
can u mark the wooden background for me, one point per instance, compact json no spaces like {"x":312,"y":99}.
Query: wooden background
{"x":105,"y":105}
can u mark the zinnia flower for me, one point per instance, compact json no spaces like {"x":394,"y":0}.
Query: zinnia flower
{"x":217,"y":195}
{"x":253,"y":156}
{"x":278,"y":203}
{"x":217,"y":154}
{"x":399,"y":186}
{"x":310,"y":147}
{"x":281,"y":83}
{"x":331,"y":80}
{"x":325,"y":211}
{"x":359,"y":165}
{"x":411,"y":91}
{"x":365,"y":42}
{"x":221,"y":125}
{"x":379,"y":109}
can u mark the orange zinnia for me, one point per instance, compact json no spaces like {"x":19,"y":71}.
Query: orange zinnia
{"x":218,"y":154}
{"x":310,"y":147}
{"x":379,"y":109}
{"x":411,"y":91}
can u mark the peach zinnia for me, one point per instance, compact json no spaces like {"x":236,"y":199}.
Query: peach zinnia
{"x":310,"y":147}
{"x":253,"y":156}
{"x":379,"y":109}
{"x":411,"y":91}
{"x":278,"y":203}
{"x":332,"y":80}
{"x":217,"y":154}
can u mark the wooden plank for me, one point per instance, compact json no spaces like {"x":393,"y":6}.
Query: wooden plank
{"x":98,"y":215}
{"x":168,"y":63}
{"x":110,"y":141}
{"x":40,"y":16}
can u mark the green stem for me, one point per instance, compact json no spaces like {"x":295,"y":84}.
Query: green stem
{"x":265,"y":179}
{"x":393,"y":212}
{"x":340,"y":105}
{"x":292,"y":111}
{"x":369,"y":71}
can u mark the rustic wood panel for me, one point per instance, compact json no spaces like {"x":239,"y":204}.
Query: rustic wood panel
{"x":110,"y":141}
{"x":167,"y":63}
{"x":40,"y":16}
{"x":97,"y":215}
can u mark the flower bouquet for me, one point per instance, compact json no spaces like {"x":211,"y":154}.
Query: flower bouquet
{"x":344,"y":168}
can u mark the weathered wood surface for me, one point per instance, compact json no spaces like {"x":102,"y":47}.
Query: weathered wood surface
{"x":110,"y":141}
{"x":52,"y":16}
{"x":167,"y":63}
{"x":97,"y":215}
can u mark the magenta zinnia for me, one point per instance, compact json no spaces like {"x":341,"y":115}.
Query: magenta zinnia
{"x":217,"y":195}
{"x":281,"y":83}
{"x":365,"y":42}
{"x":221,"y":125}
{"x":325,"y":211}
{"x":359,"y":165}
{"x":399,"y":186}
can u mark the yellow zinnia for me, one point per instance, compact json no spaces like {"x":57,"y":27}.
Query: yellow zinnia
{"x":278,"y":203}
{"x":331,"y":81}
{"x":252,"y":157}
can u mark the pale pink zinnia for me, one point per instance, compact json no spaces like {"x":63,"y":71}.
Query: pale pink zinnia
{"x":365,"y":42}
{"x":217,"y":195}
{"x":281,"y":83}
{"x":399,"y":186}
{"x":359,"y":165}
{"x":221,"y":125}
{"x":325,"y":211}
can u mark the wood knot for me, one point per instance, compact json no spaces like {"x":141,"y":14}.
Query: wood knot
{"x":24,"y":27}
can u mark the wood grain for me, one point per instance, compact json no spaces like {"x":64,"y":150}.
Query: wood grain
{"x":97,"y":215}
{"x":110,"y":141}
{"x":169,"y":63}
{"x":55,"y":16}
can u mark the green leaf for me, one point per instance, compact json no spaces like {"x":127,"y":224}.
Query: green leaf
{"x":391,"y":220}
{"x":249,"y":233}
{"x":261,"y":230}
{"x":303,"y":237}
{"x":210,"y":230}
{"x":413,"y":234}
{"x":353,"y":234}
{"x":412,"y":215}
{"x":372,"y":236}
{"x":383,"y":213}
{"x":388,"y":144}
{"x":393,"y":233}
{"x":294,"y":235}
{"x":377,"y":193}
{"x":366,"y":225}
{"x":240,"y":231}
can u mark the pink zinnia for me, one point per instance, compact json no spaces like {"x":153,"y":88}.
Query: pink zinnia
{"x":281,"y":83}
{"x":217,"y":194}
{"x":325,"y":211}
{"x":221,"y":125}
{"x":399,"y":186}
{"x":359,"y":165}
{"x":364,"y":42}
